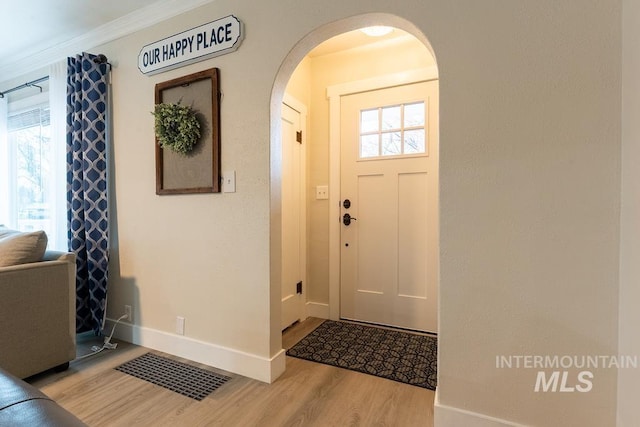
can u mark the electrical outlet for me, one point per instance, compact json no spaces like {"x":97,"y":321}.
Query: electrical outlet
{"x":127,"y":311}
{"x":180,"y":325}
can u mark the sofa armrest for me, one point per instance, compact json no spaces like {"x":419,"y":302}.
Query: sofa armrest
{"x":69,"y":258}
{"x":37,"y":314}
{"x":50,"y":255}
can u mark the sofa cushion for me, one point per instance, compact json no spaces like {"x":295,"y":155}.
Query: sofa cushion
{"x":18,"y":247}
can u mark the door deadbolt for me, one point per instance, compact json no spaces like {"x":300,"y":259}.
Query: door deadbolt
{"x":346,"y":219}
{"x":346,"y":204}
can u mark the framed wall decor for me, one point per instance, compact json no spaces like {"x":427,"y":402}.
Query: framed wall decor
{"x":198,"y":171}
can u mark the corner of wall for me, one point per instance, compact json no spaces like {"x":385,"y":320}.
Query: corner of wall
{"x":448,"y":416}
{"x":238,"y":362}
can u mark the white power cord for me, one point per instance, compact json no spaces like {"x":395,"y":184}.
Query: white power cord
{"x":107,"y":341}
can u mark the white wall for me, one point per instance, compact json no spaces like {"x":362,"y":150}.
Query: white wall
{"x":529,"y":203}
{"x":299,"y":86}
{"x":203,"y":257}
{"x":530,"y":191}
{"x":629,"y":379}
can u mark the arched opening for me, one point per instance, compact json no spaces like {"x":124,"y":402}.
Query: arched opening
{"x":329,"y":64}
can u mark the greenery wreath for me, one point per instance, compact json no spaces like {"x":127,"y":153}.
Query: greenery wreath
{"x":176,"y":126}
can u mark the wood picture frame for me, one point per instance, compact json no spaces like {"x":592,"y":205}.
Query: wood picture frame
{"x":198,"y":171}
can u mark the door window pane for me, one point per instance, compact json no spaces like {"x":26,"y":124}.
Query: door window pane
{"x":369,"y":146}
{"x":391,"y":118}
{"x":414,"y":141}
{"x":369,"y":121}
{"x":391,"y":144}
{"x":414,"y":115}
{"x":394,"y":130}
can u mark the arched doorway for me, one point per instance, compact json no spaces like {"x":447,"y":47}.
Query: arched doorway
{"x":322,"y":296}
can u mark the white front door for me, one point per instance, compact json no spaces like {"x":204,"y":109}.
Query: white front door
{"x":292,"y":218}
{"x":389,"y":188}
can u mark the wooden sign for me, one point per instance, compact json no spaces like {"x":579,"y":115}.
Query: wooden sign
{"x":206,"y":41}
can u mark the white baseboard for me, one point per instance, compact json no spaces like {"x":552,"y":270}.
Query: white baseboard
{"x":238,"y":362}
{"x":448,"y":416}
{"x":316,"y":309}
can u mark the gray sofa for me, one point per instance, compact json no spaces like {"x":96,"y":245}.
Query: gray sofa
{"x":22,"y":405}
{"x":37,"y":315}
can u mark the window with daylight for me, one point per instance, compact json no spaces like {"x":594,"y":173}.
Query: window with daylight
{"x":31,"y":181}
{"x":29,"y":142}
{"x":396,"y":130}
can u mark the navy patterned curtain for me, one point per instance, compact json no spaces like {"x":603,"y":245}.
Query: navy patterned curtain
{"x":87,"y":186}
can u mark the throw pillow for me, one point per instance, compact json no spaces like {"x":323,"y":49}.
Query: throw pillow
{"x":21,"y":247}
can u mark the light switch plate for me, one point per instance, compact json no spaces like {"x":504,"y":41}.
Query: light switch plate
{"x":229,"y":182}
{"x":322,"y":192}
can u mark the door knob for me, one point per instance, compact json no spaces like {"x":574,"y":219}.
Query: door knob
{"x":346,"y":219}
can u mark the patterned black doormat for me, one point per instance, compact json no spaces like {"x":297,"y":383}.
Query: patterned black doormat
{"x":187,"y":380}
{"x":400,"y":356}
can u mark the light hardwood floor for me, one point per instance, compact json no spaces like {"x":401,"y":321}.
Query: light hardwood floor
{"x":307,"y":394}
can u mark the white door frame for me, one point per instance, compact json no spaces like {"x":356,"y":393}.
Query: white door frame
{"x":334,"y":93}
{"x":302,"y":109}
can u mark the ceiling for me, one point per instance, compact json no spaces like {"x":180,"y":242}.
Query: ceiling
{"x":353,"y":39}
{"x":30,"y":27}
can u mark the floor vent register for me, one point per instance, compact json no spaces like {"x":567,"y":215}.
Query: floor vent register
{"x":187,"y":380}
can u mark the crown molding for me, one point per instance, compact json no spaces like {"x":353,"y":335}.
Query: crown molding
{"x":120,"y":27}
